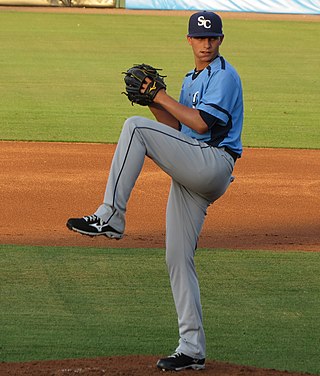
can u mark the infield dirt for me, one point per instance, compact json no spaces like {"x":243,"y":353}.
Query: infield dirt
{"x":272,"y":204}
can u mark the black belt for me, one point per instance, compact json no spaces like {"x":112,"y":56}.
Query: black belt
{"x":234,"y":155}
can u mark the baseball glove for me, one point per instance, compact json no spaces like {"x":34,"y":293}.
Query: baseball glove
{"x":134,"y":79}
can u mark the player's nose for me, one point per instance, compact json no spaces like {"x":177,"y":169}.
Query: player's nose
{"x":206,"y":42}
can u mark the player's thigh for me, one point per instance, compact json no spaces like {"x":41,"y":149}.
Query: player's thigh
{"x":175,"y":153}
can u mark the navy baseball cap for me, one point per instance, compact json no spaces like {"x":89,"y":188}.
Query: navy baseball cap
{"x":205,"y":24}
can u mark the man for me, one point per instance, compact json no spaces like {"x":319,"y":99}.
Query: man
{"x":196,"y":141}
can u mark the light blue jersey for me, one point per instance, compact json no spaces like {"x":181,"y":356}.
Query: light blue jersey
{"x":216,"y":90}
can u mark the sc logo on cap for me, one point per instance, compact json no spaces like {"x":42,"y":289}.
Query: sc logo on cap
{"x":203,"y":22}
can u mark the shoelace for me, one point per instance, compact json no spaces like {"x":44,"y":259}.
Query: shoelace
{"x":91,"y":218}
{"x":175,"y":355}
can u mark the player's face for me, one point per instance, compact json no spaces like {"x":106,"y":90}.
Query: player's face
{"x":204,"y":50}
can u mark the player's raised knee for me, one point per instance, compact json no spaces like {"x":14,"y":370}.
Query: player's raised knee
{"x":132,"y":122}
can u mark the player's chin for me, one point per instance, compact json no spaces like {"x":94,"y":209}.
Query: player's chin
{"x":206,"y":57}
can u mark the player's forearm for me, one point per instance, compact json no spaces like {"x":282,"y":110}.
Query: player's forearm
{"x":186,"y":115}
{"x":164,"y":116}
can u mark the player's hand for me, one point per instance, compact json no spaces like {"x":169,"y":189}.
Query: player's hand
{"x":145,"y":84}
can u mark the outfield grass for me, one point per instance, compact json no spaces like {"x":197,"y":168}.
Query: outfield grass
{"x":60,"y":76}
{"x":260,"y":308}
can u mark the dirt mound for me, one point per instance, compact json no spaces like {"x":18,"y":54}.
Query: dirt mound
{"x":125,"y":366}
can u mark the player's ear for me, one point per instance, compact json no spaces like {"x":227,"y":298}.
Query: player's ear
{"x":189,"y":39}
{"x":221,"y":39}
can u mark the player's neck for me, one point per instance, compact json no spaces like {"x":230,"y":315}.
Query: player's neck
{"x":196,"y":73}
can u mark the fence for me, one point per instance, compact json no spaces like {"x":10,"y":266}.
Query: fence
{"x":258,"y":6}
{"x":63,"y":3}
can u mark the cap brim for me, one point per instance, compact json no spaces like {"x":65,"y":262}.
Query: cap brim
{"x":204,"y":35}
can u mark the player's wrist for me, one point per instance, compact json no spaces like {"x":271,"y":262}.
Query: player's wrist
{"x":159,"y":96}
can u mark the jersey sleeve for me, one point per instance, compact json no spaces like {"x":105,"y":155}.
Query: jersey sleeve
{"x":208,"y":119}
{"x":220,"y":96}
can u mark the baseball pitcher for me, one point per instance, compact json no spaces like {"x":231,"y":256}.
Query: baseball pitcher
{"x":196,"y":141}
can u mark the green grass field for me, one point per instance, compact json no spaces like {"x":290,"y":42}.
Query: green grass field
{"x":60,"y":76}
{"x":260,"y":308}
{"x":60,"y":80}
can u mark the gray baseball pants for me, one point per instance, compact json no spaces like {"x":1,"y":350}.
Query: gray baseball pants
{"x":200,"y":175}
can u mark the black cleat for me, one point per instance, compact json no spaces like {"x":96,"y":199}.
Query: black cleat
{"x":179,"y":362}
{"x":92,"y":225}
